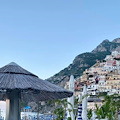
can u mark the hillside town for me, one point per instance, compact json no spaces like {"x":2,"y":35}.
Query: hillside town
{"x":102,"y":78}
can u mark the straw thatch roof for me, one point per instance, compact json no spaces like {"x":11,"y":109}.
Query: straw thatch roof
{"x":32,"y":88}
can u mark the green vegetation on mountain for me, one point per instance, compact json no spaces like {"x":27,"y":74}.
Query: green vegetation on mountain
{"x":82,"y":62}
{"x":85,"y":61}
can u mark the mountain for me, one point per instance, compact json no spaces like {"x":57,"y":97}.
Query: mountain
{"x":106,"y":45}
{"x":84,"y":61}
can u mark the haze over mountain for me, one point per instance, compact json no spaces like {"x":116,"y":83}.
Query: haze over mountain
{"x":85,"y":60}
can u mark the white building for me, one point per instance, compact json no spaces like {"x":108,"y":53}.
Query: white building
{"x":92,"y":89}
{"x":115,"y":53}
{"x":101,"y":85}
{"x":108,"y":57}
{"x":110,"y":65}
{"x":113,"y":91}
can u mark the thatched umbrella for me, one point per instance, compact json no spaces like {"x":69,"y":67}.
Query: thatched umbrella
{"x":18,"y":84}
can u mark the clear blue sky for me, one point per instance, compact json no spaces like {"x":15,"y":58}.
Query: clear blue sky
{"x":44,"y":36}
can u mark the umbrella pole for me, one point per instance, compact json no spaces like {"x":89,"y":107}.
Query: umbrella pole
{"x":7,"y":108}
{"x":38,"y":111}
{"x":13,"y":105}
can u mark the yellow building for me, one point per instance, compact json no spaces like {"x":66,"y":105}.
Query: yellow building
{"x":115,"y":84}
{"x":108,"y":87}
{"x":97,"y":70}
{"x":84,"y":78}
{"x":92,"y":102}
{"x":67,"y":85}
{"x":114,"y":77}
{"x":77,"y":93}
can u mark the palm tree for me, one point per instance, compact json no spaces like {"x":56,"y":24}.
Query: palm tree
{"x":110,"y":107}
{"x":89,"y":114}
{"x":61,"y":108}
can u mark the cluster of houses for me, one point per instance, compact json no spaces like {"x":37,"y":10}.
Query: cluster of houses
{"x":102,"y":77}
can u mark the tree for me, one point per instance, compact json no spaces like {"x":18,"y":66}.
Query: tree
{"x":61,"y":108}
{"x":89,"y":114}
{"x":110,"y":107}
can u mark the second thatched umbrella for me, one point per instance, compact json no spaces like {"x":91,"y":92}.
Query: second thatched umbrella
{"x":18,"y":84}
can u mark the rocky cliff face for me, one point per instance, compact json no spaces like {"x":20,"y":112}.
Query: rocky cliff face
{"x":84,"y":61}
{"x":106,"y":45}
{"x":101,"y":47}
{"x":117,"y":40}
